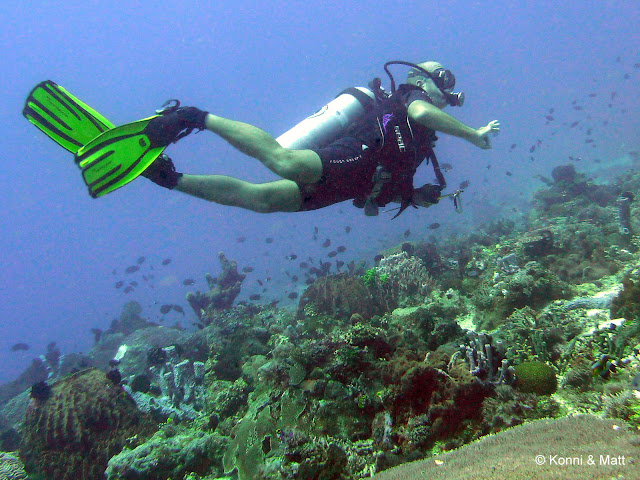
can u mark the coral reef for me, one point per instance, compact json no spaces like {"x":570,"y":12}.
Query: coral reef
{"x":170,"y":453}
{"x":223,"y":289}
{"x":11,"y":468}
{"x":407,"y":282}
{"x":339,"y":296}
{"x":536,"y":377}
{"x":508,"y":455}
{"x":130,"y":320}
{"x":170,"y":387}
{"x":440,"y":343}
{"x":532,"y":285}
{"x":85,"y":422}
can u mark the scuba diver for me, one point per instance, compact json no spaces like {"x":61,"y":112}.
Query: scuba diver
{"x":363,"y":146}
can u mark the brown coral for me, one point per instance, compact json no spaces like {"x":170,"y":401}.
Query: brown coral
{"x":223,"y":290}
{"x":84,"y":422}
{"x":340,"y":296}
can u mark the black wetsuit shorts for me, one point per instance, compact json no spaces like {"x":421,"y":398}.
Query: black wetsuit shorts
{"x":347,"y":172}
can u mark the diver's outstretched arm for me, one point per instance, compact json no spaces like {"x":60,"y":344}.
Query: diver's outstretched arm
{"x":432,"y":117}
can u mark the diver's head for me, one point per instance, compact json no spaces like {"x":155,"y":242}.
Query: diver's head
{"x":437,"y":82}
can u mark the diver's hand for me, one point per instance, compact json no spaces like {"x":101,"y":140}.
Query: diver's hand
{"x":426,"y":195}
{"x":482,"y":139}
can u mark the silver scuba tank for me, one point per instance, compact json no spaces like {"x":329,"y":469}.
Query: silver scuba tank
{"x":327,"y":124}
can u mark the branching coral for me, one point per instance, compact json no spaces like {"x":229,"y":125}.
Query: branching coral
{"x":403,"y":280}
{"x":223,"y":290}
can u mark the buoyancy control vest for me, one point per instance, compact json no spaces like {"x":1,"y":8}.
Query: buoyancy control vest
{"x":397,"y":146}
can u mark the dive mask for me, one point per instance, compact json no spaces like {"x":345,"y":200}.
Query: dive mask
{"x":445,"y":80}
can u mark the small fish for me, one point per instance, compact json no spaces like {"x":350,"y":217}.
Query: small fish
{"x":315,"y":230}
{"x":133,"y":284}
{"x":304,"y":265}
{"x":347,"y":229}
{"x":269,"y":239}
{"x":255,"y":296}
{"x":551,"y":110}
{"x":592,"y":95}
{"x":188,"y":281}
{"x":241,"y":239}
{"x":128,"y":289}
{"x":574,"y":124}
{"x":119,"y":284}
{"x":339,"y":264}
{"x":407,"y":233}
{"x":589,"y":131}
{"x":578,"y":107}
{"x":513,"y":145}
{"x":140,"y":260}
{"x":508,"y":173}
{"x":589,"y":140}
{"x":446,"y":167}
{"x":164,"y":309}
{"x":434,"y":225}
{"x":291,"y":257}
{"x":532,"y":149}
{"x":19,"y":346}
{"x":326,"y":243}
{"x":613,"y":95}
{"x":166,"y":261}
{"x":132,"y":269}
{"x":549,"y":117}
{"x":294,"y":278}
{"x":464,"y":184}
{"x":259,"y":282}
{"x":293,"y":295}
{"x":627,"y":76}
{"x":341,"y":249}
{"x":178,"y":309}
{"x":332,"y":254}
{"x":247,"y":270}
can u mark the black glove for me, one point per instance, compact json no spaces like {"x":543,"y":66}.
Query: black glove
{"x":427,"y":194}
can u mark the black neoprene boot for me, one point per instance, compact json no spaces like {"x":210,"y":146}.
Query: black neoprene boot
{"x":173,"y":123}
{"x":162,"y":172}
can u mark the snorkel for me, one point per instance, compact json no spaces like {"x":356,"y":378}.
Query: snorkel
{"x":455,"y":99}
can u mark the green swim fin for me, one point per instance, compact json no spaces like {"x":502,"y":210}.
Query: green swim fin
{"x":68,"y":121}
{"x":117,"y":156}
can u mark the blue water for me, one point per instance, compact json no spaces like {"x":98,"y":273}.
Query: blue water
{"x":272,"y":64}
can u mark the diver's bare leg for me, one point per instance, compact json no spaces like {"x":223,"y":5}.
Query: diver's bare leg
{"x":278,"y":196}
{"x":303,"y":166}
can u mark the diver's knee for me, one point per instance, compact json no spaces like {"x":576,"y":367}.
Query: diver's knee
{"x":290,"y":165}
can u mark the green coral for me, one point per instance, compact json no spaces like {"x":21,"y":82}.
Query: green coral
{"x":536,"y":377}
{"x":372,"y":278}
{"x":257,"y":433}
